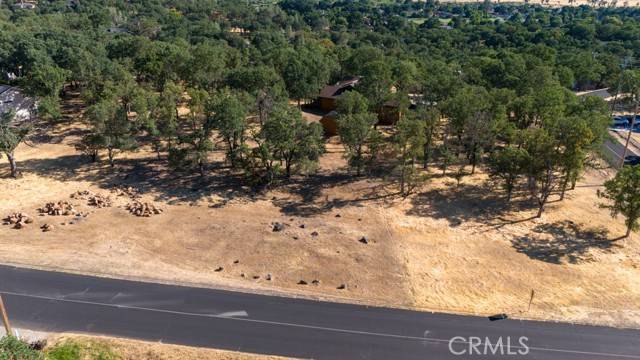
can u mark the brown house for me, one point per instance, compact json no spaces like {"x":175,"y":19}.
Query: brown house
{"x":328,"y":99}
{"x":329,"y":123}
{"x":390,"y":113}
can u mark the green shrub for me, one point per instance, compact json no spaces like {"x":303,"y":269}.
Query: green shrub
{"x":12,"y":348}
{"x":71,"y":350}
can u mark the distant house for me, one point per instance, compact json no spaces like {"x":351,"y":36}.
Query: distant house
{"x":12,"y":99}
{"x":29,"y":5}
{"x":117,"y":30}
{"x":328,"y":99}
{"x":604,"y":94}
{"x":388,"y":114}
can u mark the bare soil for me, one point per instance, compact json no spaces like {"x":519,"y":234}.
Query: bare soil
{"x":446,"y":248}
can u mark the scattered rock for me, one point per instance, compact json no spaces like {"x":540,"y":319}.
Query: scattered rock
{"x":295,"y":238}
{"x":143,"y":209}
{"x":220,"y":268}
{"x":83,"y":195}
{"x":236,"y":261}
{"x":338,"y":215}
{"x":364,"y":240}
{"x":278,"y":227}
{"x":46,"y":227}
{"x":18,"y":220}
{"x":302,"y":282}
{"x":342,"y":286}
{"x":302,"y":226}
{"x":130,"y":192}
{"x":316,"y":282}
{"x":242,"y":275}
{"x":60,"y":208}
{"x":314,"y":234}
{"x":359,"y":219}
{"x":256,"y":277}
{"x":268,"y":277}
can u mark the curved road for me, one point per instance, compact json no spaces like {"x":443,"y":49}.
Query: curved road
{"x":58,"y":302}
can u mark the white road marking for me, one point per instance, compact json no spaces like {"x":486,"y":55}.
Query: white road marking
{"x":230,"y":314}
{"x":346,"y":331}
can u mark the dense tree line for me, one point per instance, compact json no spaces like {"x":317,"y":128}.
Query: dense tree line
{"x":475,"y":83}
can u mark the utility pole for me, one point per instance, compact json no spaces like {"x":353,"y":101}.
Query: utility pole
{"x":5,"y":318}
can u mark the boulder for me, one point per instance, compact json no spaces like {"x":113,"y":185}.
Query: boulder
{"x":278,"y":227}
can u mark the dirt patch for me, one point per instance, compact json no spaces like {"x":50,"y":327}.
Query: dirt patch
{"x":446,"y":248}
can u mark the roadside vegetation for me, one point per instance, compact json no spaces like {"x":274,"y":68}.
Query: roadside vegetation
{"x":82,"y":347}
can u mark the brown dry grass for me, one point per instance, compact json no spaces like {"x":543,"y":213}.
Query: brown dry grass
{"x":447,"y":249}
{"x":125,"y":349}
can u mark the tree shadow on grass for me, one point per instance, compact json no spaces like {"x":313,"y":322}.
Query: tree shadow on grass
{"x":564,"y":241}
{"x":146,"y":175}
{"x":312,"y":202}
{"x":467,"y":203}
{"x":152,"y":175}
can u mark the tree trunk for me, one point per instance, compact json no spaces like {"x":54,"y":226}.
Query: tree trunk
{"x":509,"y":190}
{"x":565,"y":183}
{"x":402,"y":178}
{"x":540,"y":209}
{"x":201,"y":167}
{"x":12,"y":164}
{"x":111,"y":155}
{"x":628,"y":232}
{"x":427,"y":152}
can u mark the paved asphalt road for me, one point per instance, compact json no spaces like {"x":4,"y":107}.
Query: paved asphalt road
{"x":58,"y":302}
{"x":614,"y":148}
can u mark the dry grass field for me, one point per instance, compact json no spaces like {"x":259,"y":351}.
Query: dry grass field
{"x":446,"y":248}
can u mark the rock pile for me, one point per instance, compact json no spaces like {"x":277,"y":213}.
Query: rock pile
{"x":58,"y":208}
{"x":18,"y":220}
{"x":46,"y":227}
{"x":143,"y":209}
{"x":99,"y":201}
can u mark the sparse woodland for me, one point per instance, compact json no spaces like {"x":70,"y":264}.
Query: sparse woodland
{"x":476,"y":84}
